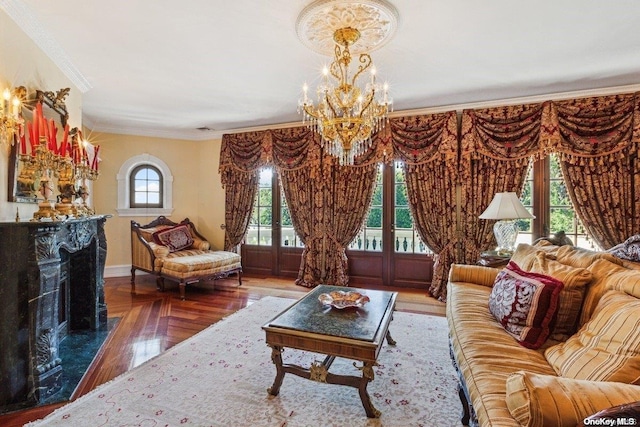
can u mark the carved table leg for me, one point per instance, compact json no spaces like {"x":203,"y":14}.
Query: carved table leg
{"x":276,"y":358}
{"x":367,"y":376}
{"x":390,"y":340}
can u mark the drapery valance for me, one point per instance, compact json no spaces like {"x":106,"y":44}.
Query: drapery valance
{"x":452,"y":175}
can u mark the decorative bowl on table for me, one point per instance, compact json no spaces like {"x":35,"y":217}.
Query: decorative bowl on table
{"x":342,"y":299}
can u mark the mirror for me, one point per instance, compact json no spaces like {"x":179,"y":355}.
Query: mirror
{"x":23,"y":188}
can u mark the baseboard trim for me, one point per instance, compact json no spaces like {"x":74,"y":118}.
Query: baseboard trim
{"x":120,"y":271}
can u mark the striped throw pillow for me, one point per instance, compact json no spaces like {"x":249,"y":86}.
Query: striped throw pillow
{"x":570,"y":303}
{"x":607,"y":348}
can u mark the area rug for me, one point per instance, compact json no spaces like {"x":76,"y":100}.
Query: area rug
{"x":220,"y":377}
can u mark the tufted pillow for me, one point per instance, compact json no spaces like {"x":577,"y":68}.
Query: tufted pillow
{"x":175,"y":238}
{"x":570,"y":302}
{"x":607,"y":348}
{"x":537,"y":400}
{"x":525,"y":304}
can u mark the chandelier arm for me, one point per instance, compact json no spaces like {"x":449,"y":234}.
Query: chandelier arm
{"x":365,"y":61}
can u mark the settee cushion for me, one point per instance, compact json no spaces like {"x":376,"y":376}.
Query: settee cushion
{"x":548,"y":401}
{"x":204,"y":263}
{"x":583,"y":258}
{"x":175,"y":238}
{"x":607,"y":348}
{"x":570,"y":301}
{"x":525,"y":304}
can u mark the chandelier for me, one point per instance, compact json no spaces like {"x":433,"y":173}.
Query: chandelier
{"x":350,"y":106}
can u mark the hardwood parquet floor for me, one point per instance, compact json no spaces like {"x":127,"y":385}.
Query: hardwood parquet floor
{"x":150,"y":322}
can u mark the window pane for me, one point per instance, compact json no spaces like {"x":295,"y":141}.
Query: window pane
{"x":153,"y":186}
{"x":375,"y":218}
{"x":141,"y":174}
{"x":141,"y":197}
{"x":153,"y":198}
{"x":264,"y":217}
{"x":152,"y":175}
{"x":141,"y":185}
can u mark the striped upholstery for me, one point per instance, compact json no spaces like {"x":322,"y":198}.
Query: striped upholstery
{"x":476,"y":274}
{"x":485,"y":353}
{"x":524,"y":256}
{"x":570,"y":302}
{"x":583,"y":258}
{"x":548,"y":401}
{"x":601,"y":269}
{"x":607,"y":348}
{"x":209,"y":262}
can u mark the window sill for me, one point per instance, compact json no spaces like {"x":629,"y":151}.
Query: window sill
{"x":144,"y":211}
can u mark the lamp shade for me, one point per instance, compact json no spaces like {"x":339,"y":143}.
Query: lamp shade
{"x":506,"y":206}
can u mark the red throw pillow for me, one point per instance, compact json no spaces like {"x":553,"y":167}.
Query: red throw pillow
{"x":525,"y":304}
{"x":174,"y":238}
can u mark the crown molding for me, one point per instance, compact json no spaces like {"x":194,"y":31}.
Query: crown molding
{"x":27,"y":21}
{"x":197,"y":135}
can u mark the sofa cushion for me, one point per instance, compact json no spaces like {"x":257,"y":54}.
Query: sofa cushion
{"x":583,"y":258}
{"x":607,"y":348}
{"x":601,"y":269}
{"x":485,"y":353}
{"x":525,"y":304}
{"x":570,"y":301}
{"x":175,"y":238}
{"x":524,"y":255}
{"x":548,"y":401}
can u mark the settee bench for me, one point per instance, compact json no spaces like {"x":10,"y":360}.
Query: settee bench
{"x":176,"y":251}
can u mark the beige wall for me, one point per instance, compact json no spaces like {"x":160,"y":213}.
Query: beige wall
{"x":22,"y":63}
{"x":197,"y":191}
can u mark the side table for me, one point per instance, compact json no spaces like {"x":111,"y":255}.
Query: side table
{"x":493,"y":259}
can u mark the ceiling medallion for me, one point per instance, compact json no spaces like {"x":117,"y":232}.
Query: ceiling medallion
{"x":376,"y":20}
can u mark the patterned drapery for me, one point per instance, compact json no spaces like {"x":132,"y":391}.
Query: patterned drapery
{"x":241,"y":157}
{"x":597,"y":140}
{"x":428,"y":147}
{"x":497,"y":145}
{"x":451,"y":178}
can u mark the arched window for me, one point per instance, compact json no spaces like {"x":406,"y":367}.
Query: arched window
{"x":145,"y":187}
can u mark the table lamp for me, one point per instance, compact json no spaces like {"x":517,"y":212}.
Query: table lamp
{"x":506,"y":208}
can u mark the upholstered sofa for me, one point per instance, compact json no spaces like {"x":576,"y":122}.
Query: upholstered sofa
{"x":176,"y":251}
{"x":582,"y":356}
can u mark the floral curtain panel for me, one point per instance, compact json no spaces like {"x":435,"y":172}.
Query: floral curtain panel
{"x":597,"y":142}
{"x":497,"y":145}
{"x":451,"y":177}
{"x":428,"y":147}
{"x":241,"y":157}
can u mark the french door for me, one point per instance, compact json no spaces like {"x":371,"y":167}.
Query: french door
{"x":387,"y":251}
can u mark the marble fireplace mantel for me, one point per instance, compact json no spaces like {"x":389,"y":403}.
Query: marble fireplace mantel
{"x":51,"y":282}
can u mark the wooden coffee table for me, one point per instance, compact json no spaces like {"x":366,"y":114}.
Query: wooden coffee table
{"x":352,"y":333}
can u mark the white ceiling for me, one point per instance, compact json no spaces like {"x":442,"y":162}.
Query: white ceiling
{"x":165,"y":68}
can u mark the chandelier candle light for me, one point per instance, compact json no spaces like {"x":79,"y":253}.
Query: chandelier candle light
{"x":506,"y":208}
{"x":347,"y":111}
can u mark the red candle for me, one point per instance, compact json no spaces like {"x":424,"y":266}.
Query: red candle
{"x":95,"y":158}
{"x":31,"y":134}
{"x":35,"y":136}
{"x":23,"y":143}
